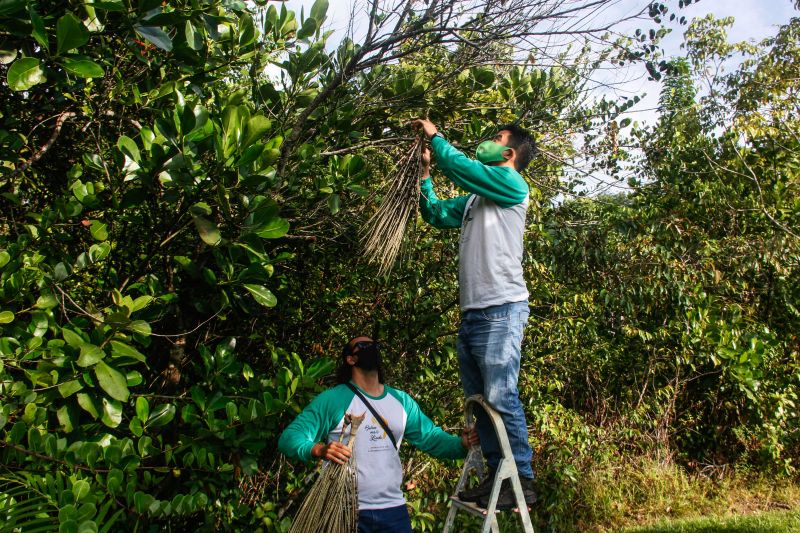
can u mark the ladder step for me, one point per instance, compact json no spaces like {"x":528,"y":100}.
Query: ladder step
{"x":470,"y":507}
{"x":507,"y":470}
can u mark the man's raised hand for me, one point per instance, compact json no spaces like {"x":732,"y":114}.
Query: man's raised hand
{"x":425,"y":163}
{"x":425,"y":125}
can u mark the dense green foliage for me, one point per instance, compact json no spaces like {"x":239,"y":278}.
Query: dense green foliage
{"x":179,"y":256}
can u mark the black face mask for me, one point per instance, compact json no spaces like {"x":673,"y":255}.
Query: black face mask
{"x":369,"y":357}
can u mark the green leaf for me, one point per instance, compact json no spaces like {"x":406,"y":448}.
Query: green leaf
{"x":80,"y":489}
{"x":6,"y":317}
{"x":250,"y":155}
{"x":24,"y":74}
{"x":247,"y":32}
{"x":120,"y":349}
{"x":98,"y":230}
{"x":60,"y":272}
{"x":38,"y":32}
{"x":257,"y":126}
{"x":274,"y":229}
{"x":128,"y":147}
{"x":69,"y":388}
{"x":87,"y":404}
{"x":70,"y":33}
{"x":7,"y":56}
{"x":112,"y":412}
{"x":193,"y":38}
{"x":142,"y":501}
{"x":72,"y":338}
{"x":136,"y":426}
{"x":133,"y":378}
{"x":112,"y":381}
{"x":318,"y":10}
{"x":262,"y":295}
{"x":141,"y":302}
{"x":4,"y":258}
{"x":84,"y":68}
{"x":141,"y":327}
{"x":208,"y":231}
{"x":65,"y":419}
{"x":199,"y":209}
{"x":161,"y":416}
{"x":99,"y":251}
{"x":155,"y":35}
{"x":308,"y":28}
{"x":46,"y":301}
{"x":87,"y":526}
{"x":9,"y":7}
{"x":90,"y":355}
{"x":334,"y":203}
{"x":142,"y":408}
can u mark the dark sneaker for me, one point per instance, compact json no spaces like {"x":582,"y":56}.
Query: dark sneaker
{"x":506,"y":500}
{"x":481,"y":489}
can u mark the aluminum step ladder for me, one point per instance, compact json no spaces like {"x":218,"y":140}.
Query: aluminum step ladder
{"x":507,"y":469}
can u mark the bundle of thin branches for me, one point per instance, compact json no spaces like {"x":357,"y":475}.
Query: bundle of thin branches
{"x":332,"y":504}
{"x":383,"y":233}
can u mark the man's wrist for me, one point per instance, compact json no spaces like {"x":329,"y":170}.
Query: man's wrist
{"x":316,"y":450}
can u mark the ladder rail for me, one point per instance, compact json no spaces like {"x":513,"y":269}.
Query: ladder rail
{"x":507,"y":469}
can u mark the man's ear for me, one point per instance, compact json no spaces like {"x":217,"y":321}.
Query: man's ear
{"x":510,"y":156}
{"x":351,"y":360}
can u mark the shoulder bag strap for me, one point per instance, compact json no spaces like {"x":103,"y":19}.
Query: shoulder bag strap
{"x":374,"y":413}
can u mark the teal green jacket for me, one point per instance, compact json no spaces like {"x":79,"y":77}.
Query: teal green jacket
{"x":321,"y":419}
{"x":380,"y":472}
{"x":503,"y":185}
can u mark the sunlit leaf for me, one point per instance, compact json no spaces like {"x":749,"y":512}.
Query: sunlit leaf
{"x":262,"y":295}
{"x":24,"y":74}
{"x":112,"y":381}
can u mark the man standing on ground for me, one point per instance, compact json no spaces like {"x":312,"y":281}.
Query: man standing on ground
{"x":381,"y":505}
{"x":493,"y":295}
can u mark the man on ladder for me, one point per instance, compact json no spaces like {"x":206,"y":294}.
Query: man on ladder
{"x":493,"y":295}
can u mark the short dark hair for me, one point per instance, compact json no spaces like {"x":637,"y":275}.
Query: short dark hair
{"x":523,"y":142}
{"x":344,"y":372}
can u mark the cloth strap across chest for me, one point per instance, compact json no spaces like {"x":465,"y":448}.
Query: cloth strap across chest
{"x":379,"y":418}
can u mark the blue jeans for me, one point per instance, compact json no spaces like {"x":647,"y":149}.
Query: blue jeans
{"x":390,"y":520}
{"x":489,"y":350}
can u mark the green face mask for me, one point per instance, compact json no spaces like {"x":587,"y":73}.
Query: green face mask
{"x":490,"y":152}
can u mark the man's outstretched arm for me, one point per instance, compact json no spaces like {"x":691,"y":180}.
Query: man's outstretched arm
{"x":438,"y":213}
{"x":503,"y":185}
{"x":422,"y":433}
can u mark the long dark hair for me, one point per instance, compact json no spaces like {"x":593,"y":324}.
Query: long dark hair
{"x":344,"y":372}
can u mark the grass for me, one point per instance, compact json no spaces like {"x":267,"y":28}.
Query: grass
{"x":769,"y":522}
{"x":656,"y":496}
{"x":641,"y":495}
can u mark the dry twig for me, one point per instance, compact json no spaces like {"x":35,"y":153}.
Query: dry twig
{"x":332,"y":504}
{"x":383,"y":233}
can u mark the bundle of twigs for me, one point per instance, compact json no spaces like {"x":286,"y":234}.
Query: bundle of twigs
{"x":383,"y":233}
{"x":332,"y":504}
